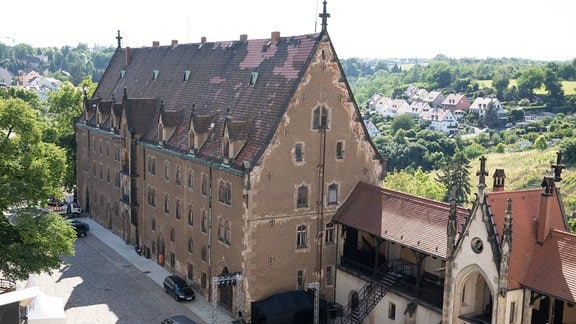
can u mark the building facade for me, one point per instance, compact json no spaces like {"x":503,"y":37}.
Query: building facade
{"x":220,"y":158}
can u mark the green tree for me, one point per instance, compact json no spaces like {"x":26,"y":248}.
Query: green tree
{"x":418,"y":183}
{"x":455,"y":175}
{"x":403,"y":121}
{"x":541,"y":143}
{"x":530,"y":79}
{"x":30,"y":172}
{"x":553,"y":85}
{"x":501,"y":81}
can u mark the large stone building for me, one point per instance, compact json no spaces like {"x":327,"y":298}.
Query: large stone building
{"x":227,"y":157}
{"x":509,"y":259}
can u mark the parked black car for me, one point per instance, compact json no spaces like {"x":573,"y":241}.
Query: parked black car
{"x":80,"y":227}
{"x":178,"y":288}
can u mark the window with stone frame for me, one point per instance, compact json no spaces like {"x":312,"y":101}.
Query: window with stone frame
{"x":191,"y":179}
{"x":299,"y":152}
{"x":302,"y":198}
{"x":339,"y":150}
{"x":329,"y":234}
{"x":190,"y":272}
{"x":166,"y":204}
{"x":190,"y":245}
{"x":225,"y":192}
{"x":227,"y":231}
{"x":204,"y":222}
{"x":320,"y":118}
{"x":190,"y":215}
{"x":178,"y":209}
{"x":151,"y":196}
{"x":166,"y":170}
{"x":332,"y":194}
{"x":221,"y":229}
{"x":204,"y":185}
{"x":151,"y":165}
{"x":301,"y":236}
{"x":178,"y":174}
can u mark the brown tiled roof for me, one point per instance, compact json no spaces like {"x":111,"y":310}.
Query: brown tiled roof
{"x":399,"y":217}
{"x":553,"y":268}
{"x":526,"y":206}
{"x":218,"y":86}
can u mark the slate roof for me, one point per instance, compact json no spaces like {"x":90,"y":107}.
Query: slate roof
{"x":553,"y":269}
{"x":526,"y":206}
{"x":399,"y":217}
{"x":218,"y":89}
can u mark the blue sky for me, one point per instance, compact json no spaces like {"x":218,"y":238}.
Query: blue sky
{"x":361,"y":28}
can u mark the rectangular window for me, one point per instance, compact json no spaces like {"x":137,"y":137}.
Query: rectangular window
{"x":299,"y":152}
{"x":204,"y":185}
{"x":190,"y":179}
{"x":166,"y":170}
{"x":333,"y":194}
{"x":301,"y":234}
{"x":513,"y":312}
{"x":178,"y":174}
{"x":300,"y":279}
{"x":329,"y":233}
{"x":339,"y":150}
{"x":203,"y":280}
{"x":166,"y":204}
{"x":329,"y":276}
{"x":190,"y":215}
{"x":190,"y":274}
{"x":172,"y":259}
{"x":392,"y":311}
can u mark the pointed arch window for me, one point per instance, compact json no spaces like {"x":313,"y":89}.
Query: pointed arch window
{"x":320,"y":118}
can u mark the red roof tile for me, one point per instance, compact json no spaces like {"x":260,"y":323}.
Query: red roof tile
{"x":553,"y":269}
{"x":399,"y":217}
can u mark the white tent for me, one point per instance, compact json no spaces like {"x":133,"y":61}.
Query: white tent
{"x":46,"y":309}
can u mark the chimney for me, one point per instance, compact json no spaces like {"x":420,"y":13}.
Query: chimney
{"x":545,"y":206}
{"x":243,"y":37}
{"x":174,"y":42}
{"x":499,"y":177}
{"x":127,"y":55}
{"x":275,"y":37}
{"x":203,"y":39}
{"x":155,"y":43}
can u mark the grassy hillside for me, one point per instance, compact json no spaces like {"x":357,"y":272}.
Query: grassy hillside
{"x":569,"y":87}
{"x":525,"y":170}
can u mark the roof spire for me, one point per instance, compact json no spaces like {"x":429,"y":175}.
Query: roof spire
{"x":119,"y":38}
{"x":324,"y":15}
{"x":482,"y":173}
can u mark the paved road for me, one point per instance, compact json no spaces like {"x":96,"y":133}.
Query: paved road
{"x":98,"y":285}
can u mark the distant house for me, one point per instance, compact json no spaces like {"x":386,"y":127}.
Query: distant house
{"x":410,"y":91}
{"x":441,"y":120}
{"x":25,"y":77}
{"x":415,"y":109}
{"x":43,"y":85}
{"x":371,"y":128}
{"x":456,"y":101}
{"x":5,"y":77}
{"x":377,"y":103}
{"x":434,"y":98}
{"x":481,"y":105}
{"x":419,"y":95}
{"x":391,"y":107}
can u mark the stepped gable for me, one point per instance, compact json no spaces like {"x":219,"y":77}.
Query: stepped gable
{"x":415,"y":222}
{"x":249,"y":81}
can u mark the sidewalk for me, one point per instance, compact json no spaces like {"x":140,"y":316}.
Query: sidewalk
{"x":200,"y":306}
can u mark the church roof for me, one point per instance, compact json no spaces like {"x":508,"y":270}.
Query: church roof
{"x":526,"y":209}
{"x":553,"y":267}
{"x":399,"y":217}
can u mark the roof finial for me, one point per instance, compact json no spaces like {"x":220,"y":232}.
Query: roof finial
{"x":119,"y":38}
{"x":324,"y":15}
{"x":558,"y":166}
{"x":482,"y":173}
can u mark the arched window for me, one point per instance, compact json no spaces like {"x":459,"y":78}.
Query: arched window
{"x":333,"y":193}
{"x":302,"y":200}
{"x":203,"y":225}
{"x":190,"y":215}
{"x":320,"y":118}
{"x":178,"y":209}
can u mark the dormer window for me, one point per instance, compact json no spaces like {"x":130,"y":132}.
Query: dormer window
{"x":226,"y":150}
{"x":186,"y":75}
{"x":155,"y":75}
{"x":253,"y":78}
